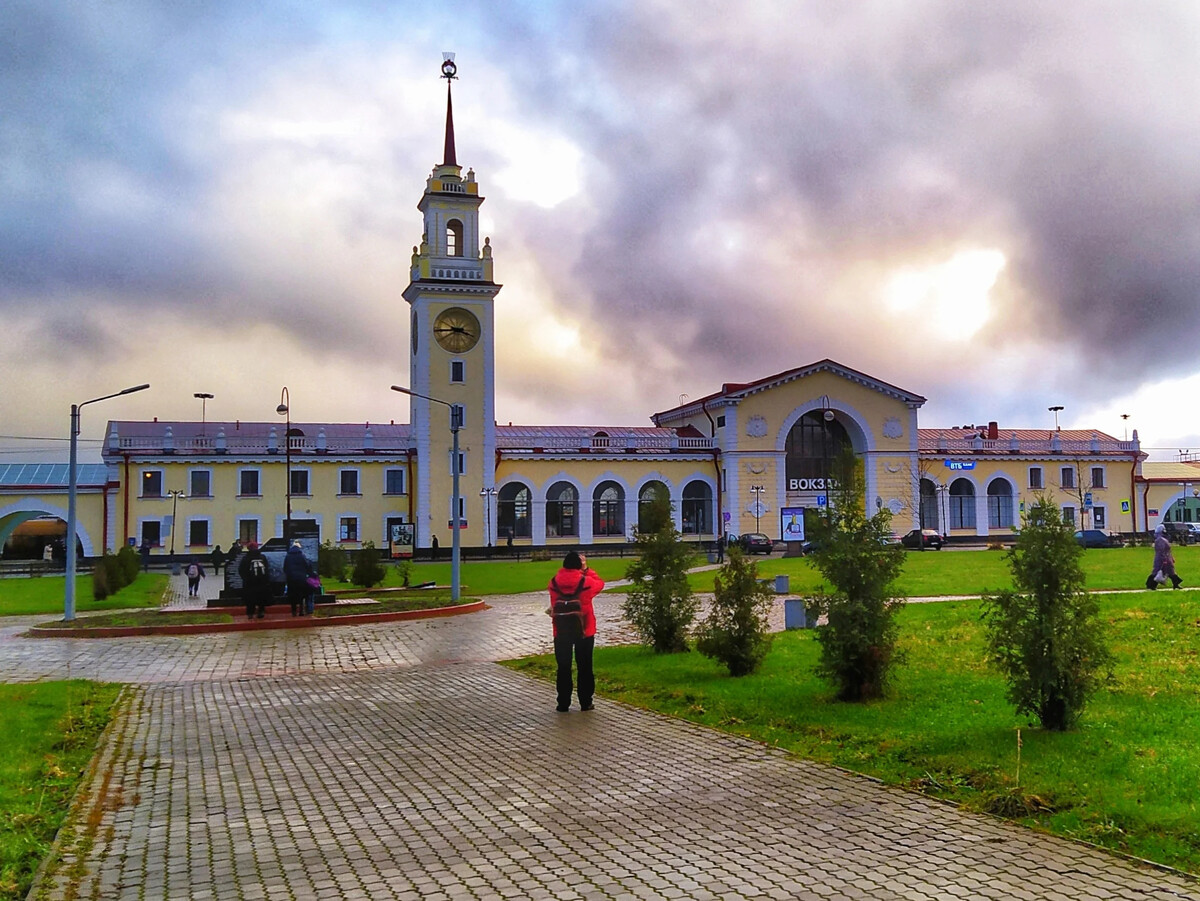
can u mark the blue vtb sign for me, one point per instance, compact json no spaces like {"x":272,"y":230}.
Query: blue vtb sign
{"x":958,"y":465}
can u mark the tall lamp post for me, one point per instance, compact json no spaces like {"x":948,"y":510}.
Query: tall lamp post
{"x":176,"y":494}
{"x":285,"y":409}
{"x":455,"y":425}
{"x":72,"y":490}
{"x":1056,"y":409}
{"x":204,"y":398}
{"x":487,"y":494}
{"x":758,"y":493}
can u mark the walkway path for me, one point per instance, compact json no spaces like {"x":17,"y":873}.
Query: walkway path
{"x":398,"y":762}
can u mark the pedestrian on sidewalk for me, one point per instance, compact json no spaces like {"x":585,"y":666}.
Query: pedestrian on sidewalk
{"x":574,"y":619}
{"x":195,"y":572}
{"x":1164,"y":561}
{"x":256,"y":581}
{"x":296,"y":573}
{"x":217,"y":557}
{"x":145,"y":551}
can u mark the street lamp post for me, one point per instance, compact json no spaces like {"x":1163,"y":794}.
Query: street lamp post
{"x":285,"y":409}
{"x":176,"y":494}
{"x":487,"y":494}
{"x":1056,"y":409}
{"x":204,"y":398}
{"x":72,"y":490}
{"x":758,"y":493}
{"x":455,"y":425}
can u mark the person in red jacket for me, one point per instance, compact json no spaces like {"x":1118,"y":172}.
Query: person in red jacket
{"x":571,"y":611}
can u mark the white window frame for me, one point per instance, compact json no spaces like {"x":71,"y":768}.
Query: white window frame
{"x":237,"y":526}
{"x":1103,"y":476}
{"x":257,"y":470}
{"x":1066,"y":478}
{"x":1103,"y":516}
{"x":357,"y":482}
{"x":343,"y":518}
{"x":208,"y":528}
{"x":403,"y":481}
{"x":192,"y":472}
{"x":1041,"y":478}
{"x":462,"y":462}
{"x":1074,"y":520}
{"x":162,"y":485}
{"x":162,"y":528}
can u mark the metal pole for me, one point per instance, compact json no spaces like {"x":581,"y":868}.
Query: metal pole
{"x":285,"y":409}
{"x":72,"y":489}
{"x":454,"y":546}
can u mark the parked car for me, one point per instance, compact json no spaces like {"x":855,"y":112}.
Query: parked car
{"x":922,"y":538}
{"x":1098,"y":538}
{"x":757,"y":543}
{"x":1183,"y":532}
{"x":892,"y":539}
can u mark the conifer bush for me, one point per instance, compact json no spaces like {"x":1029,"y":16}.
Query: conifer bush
{"x":368,"y":568}
{"x":332,"y":562}
{"x":660,"y":604}
{"x":1046,"y":637}
{"x":858,"y":644}
{"x":736,"y":630}
{"x":130,"y":563}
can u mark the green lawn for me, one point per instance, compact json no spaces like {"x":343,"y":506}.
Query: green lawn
{"x":50,"y":731}
{"x":46,"y":594}
{"x":1126,"y":778}
{"x":496,"y":577}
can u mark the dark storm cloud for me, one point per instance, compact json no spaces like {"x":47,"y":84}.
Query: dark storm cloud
{"x":1062,"y":134}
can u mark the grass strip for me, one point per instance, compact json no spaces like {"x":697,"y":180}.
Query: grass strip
{"x":50,"y":731}
{"x":1124,"y":779}
{"x":46,"y":594}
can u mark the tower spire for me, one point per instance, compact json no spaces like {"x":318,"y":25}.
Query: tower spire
{"x":448,"y":73}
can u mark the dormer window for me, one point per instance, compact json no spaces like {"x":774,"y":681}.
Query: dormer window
{"x":454,"y":238}
{"x":600,"y":439}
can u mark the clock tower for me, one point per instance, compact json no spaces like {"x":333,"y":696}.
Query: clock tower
{"x":451,"y":294}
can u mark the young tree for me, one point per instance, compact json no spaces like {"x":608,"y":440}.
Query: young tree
{"x":368,"y":569}
{"x":660,"y":604}
{"x":735,"y":632}
{"x":858,"y":646}
{"x":1047,"y":637}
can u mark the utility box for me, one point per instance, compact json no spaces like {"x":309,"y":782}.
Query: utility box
{"x":781,"y":584}
{"x":794,"y":614}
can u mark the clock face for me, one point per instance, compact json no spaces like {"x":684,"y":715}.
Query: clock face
{"x":456,"y":330}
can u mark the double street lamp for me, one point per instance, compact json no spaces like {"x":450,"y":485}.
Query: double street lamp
{"x":757,"y":490}
{"x":456,"y":498}
{"x":72,"y":490}
{"x":487,"y":494}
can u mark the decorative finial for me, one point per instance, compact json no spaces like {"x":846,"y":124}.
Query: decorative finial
{"x":449,"y":71}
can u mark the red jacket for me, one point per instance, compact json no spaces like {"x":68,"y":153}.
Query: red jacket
{"x":563,"y":585}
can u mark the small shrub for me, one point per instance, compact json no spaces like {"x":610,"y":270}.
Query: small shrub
{"x":113,"y":573}
{"x":332,"y":561}
{"x":1047,"y":637}
{"x":735,"y":632}
{"x":130,"y":563}
{"x":100,"y":586}
{"x":404,"y":571}
{"x":368,"y":568}
{"x":858,"y":644}
{"x":540,"y":555}
{"x":660,"y":605}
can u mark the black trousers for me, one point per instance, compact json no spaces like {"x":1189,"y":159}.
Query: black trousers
{"x":582,"y":649}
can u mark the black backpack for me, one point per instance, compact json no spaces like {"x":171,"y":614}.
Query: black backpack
{"x":257,"y":572}
{"x":568,"y":612}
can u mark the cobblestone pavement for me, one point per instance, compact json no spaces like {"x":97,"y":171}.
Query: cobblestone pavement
{"x":398,"y":762}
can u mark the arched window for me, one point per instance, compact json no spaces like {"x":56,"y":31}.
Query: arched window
{"x":697,"y":508}
{"x":962,"y":504}
{"x":812,"y":445}
{"x":929,"y":506}
{"x":512,"y":511}
{"x":600,"y":439}
{"x":454,"y":238}
{"x":1000,"y":505}
{"x":646,"y":497}
{"x":608,"y":510}
{"x":560,"y":510}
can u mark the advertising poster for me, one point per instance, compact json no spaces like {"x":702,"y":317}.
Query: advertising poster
{"x":791,"y":523}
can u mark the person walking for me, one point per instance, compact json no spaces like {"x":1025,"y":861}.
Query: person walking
{"x":145,"y":550}
{"x":1164,"y":561}
{"x":433,"y":548}
{"x":194,"y":572}
{"x":572,"y":591}
{"x":296,"y":572}
{"x":217,"y":557}
{"x":256,"y":581}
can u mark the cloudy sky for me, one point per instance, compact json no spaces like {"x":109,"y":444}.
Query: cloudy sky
{"x":992,"y":205}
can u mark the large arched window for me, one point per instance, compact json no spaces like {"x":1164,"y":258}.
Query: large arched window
{"x":608,"y":510}
{"x":561,"y":501}
{"x":929,"y":505}
{"x":697,"y":508}
{"x":512,"y":511}
{"x":646,"y":497}
{"x":1000,"y":504}
{"x":812,"y":445}
{"x":962,"y":504}
{"x":454,"y":238}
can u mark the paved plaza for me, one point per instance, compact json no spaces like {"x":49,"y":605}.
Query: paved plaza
{"x":399,"y":761}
